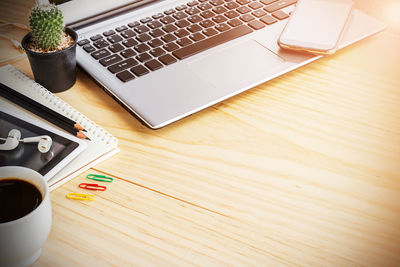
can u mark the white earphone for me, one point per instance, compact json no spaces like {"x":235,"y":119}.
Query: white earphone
{"x":14,"y":137}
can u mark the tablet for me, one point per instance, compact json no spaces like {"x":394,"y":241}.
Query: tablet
{"x":65,"y":147}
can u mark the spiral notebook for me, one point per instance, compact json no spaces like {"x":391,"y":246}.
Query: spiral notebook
{"x":102,"y":145}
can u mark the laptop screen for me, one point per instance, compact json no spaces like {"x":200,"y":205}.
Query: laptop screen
{"x":78,"y":10}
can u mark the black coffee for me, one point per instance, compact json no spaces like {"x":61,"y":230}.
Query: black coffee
{"x":17,"y":199}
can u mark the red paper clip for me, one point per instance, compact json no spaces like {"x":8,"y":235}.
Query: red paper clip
{"x":92,"y":187}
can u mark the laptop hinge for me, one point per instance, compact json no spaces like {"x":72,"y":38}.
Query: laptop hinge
{"x":110,"y":14}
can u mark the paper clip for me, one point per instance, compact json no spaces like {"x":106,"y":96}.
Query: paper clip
{"x":80,"y":196}
{"x":92,"y":187}
{"x":101,"y":178}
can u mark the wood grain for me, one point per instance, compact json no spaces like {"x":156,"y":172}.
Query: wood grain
{"x":301,"y":170}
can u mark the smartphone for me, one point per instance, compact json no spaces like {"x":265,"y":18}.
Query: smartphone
{"x":316,"y":25}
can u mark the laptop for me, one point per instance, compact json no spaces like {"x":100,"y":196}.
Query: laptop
{"x":165,"y":60}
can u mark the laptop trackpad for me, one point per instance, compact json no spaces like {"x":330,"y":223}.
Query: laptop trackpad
{"x":238,"y":65}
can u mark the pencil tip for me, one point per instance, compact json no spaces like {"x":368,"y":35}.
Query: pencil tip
{"x":78,"y":127}
{"x":81,"y":135}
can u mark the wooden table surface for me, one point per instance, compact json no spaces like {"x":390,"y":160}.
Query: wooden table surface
{"x":301,"y":170}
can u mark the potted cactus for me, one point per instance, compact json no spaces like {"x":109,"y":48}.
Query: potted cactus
{"x":51,"y":50}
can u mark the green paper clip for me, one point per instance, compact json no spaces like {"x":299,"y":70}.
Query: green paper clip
{"x":100,"y":178}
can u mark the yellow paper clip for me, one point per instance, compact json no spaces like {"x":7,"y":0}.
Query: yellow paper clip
{"x":77,"y":196}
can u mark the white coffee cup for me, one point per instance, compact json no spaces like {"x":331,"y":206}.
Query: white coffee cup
{"x":21,"y":239}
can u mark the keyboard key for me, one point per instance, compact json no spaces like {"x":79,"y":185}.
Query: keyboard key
{"x":243,"y":2}
{"x":231,"y":5}
{"x":129,"y":42}
{"x":267,"y":2}
{"x":247,"y":17}
{"x":204,"y":6}
{"x":133,"y":24}
{"x":123,"y":65}
{"x":83,"y":42}
{"x":144,"y":37}
{"x":181,"y":7}
{"x":96,"y":37}
{"x":128,"y":34}
{"x":195,"y":19}
{"x":222,"y":27}
{"x":180,"y":15}
{"x":219,"y":19}
{"x":197,"y":37}
{"x":216,"y":2}
{"x":255,"y":5}
{"x":121,"y":28}
{"x":259,"y":13}
{"x":168,"y":38}
{"x":223,"y":37}
{"x":279,"y":5}
{"x":101,"y":43}
{"x":100,"y":53}
{"x":181,"y":33}
{"x":280,"y":15}
{"x":235,"y":22}
{"x":141,"y":29}
{"x":125,"y":76}
{"x":114,"y":38}
{"x":243,"y":10}
{"x":210,"y":32}
{"x":153,"y":64}
{"x":268,"y":20}
{"x":192,"y":11}
{"x":167,"y":20}
{"x":142,"y":48}
{"x":192,"y":3}
{"x":207,"y":14}
{"x":169,"y":28}
{"x":155,"y":42}
{"x":232,"y":14}
{"x":157,"y":33}
{"x":194,"y":28}
{"x":182,"y":23}
{"x":116,"y":47}
{"x":170,"y":47}
{"x":143,"y":57}
{"x":184,"y":41}
{"x":167,"y":59}
{"x":169,"y":11}
{"x":256,"y":25}
{"x":146,"y":20}
{"x":158,"y":16}
{"x":154,"y":24}
{"x":156,"y":52}
{"x":110,"y":60}
{"x":89,"y":48}
{"x":108,"y":33}
{"x":220,"y":9}
{"x":140,"y":70}
{"x":128,"y":53}
{"x":207,"y":23}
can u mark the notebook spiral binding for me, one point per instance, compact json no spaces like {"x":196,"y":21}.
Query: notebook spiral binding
{"x":59,"y":105}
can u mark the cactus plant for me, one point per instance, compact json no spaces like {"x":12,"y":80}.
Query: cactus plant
{"x":46,"y":23}
{"x":50,"y":48}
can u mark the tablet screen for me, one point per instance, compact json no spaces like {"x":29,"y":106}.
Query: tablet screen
{"x":27,"y":154}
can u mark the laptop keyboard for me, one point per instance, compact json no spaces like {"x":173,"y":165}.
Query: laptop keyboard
{"x":140,"y":47}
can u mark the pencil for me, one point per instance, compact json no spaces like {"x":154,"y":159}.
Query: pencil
{"x":41,"y":107}
{"x":36,"y":108}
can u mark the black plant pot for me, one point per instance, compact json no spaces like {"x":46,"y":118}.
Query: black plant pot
{"x":55,"y":71}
